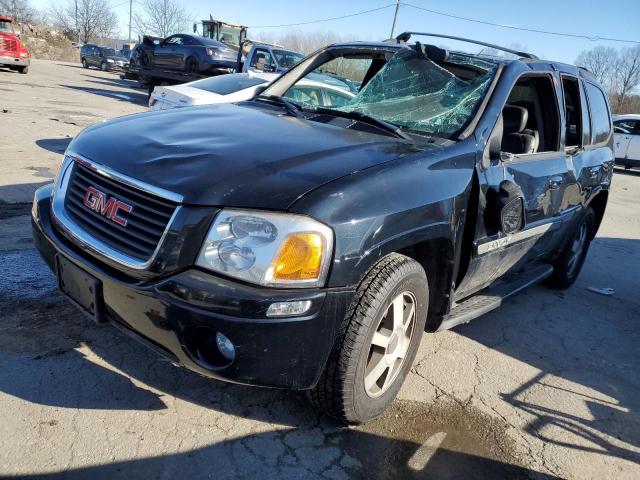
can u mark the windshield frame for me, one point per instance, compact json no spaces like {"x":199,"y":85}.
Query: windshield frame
{"x":280,"y":85}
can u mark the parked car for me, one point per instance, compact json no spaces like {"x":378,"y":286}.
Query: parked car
{"x":627,"y":140}
{"x":188,"y":53}
{"x":237,"y":87}
{"x":13,"y":52}
{"x":105,"y":58}
{"x":280,"y":242}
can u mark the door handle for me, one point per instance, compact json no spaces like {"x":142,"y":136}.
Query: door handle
{"x":555,"y":182}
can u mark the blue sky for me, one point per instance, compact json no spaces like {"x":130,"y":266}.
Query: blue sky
{"x":610,"y":18}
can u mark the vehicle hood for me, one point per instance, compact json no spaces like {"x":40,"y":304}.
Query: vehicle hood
{"x":232,"y":155}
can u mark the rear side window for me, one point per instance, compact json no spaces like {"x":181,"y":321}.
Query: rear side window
{"x":226,"y":84}
{"x":572,"y":111}
{"x":600,"y":119}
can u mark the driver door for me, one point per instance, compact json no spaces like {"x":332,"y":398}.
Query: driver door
{"x":165,"y":53}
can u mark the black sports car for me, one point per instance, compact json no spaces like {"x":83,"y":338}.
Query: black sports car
{"x":188,"y":53}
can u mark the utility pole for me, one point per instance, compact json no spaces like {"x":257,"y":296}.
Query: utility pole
{"x":395,"y":16}
{"x":130,"y":9}
{"x":77,"y":26}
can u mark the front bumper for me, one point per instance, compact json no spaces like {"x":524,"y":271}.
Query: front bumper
{"x":14,"y":61}
{"x":174,"y":315}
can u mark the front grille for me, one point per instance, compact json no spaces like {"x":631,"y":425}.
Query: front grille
{"x":145,"y":223}
{"x":8,"y":45}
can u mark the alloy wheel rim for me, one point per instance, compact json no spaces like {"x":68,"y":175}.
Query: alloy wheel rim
{"x":390,"y":344}
{"x":577,"y":246}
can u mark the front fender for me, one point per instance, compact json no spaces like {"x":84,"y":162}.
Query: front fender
{"x":392,"y":207}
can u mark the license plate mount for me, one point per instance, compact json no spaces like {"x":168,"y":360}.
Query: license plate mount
{"x":84,"y":290}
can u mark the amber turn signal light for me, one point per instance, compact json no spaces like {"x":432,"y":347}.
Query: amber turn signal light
{"x":299,"y":258}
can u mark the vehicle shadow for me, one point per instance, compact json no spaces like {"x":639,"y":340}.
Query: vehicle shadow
{"x":279,"y":455}
{"x":633,"y":172}
{"x":133,"y":97}
{"x":71,"y":65}
{"x":115,"y":82}
{"x":55,"y":145}
{"x":124,"y":376}
{"x":586,"y":394}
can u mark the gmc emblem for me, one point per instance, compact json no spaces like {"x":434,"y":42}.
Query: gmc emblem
{"x":97,"y":201}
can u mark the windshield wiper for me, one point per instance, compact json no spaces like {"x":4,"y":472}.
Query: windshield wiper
{"x":364,"y":118}
{"x":290,"y":107}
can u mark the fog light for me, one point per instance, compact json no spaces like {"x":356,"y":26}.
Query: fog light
{"x":286,"y":309}
{"x":225,"y":346}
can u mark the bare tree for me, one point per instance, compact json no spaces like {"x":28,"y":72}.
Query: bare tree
{"x":304,"y":42}
{"x":161,"y":18}
{"x":85,"y":20}
{"x":602,"y":62}
{"x":19,"y":10}
{"x":627,"y":75}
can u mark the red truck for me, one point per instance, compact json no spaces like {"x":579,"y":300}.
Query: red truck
{"x":13,"y":53}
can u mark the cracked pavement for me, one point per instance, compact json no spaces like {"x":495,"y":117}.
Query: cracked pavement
{"x":544,"y":387}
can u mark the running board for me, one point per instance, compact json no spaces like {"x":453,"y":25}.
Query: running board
{"x":492,"y":297}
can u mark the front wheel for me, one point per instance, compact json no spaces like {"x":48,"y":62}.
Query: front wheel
{"x":377,"y":343}
{"x":23,"y":70}
{"x":84,"y":63}
{"x":104,"y":67}
{"x":191,"y":66}
{"x":569,"y":263}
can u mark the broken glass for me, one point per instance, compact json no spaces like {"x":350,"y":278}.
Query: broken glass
{"x":414,"y":92}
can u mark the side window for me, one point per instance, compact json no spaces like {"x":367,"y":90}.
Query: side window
{"x":572,"y":112}
{"x":599,"y":110}
{"x":311,"y":96}
{"x":531,"y":121}
{"x":335,"y":99}
{"x":261,"y":58}
{"x":175,"y":40}
{"x":629,"y":127}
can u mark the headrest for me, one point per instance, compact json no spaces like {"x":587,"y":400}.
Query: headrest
{"x":515,"y":118}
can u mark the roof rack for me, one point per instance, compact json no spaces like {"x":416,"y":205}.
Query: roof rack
{"x":404,"y":37}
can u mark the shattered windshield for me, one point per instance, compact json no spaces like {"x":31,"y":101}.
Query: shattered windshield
{"x":414,"y":92}
{"x":407,"y":89}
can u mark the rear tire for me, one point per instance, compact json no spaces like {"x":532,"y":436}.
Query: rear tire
{"x":84,"y":63}
{"x":23,"y":70}
{"x":568,"y":265}
{"x":350,"y":389}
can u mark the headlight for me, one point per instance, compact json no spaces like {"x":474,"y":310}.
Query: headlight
{"x":212,"y":52}
{"x":110,"y":60}
{"x":271,"y":249}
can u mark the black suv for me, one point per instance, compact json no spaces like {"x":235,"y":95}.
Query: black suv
{"x":286,"y":243}
{"x":106,"y":59}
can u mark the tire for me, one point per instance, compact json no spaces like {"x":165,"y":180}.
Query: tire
{"x":23,"y":70}
{"x":84,"y":63}
{"x":104,"y":66}
{"x":191,"y":65}
{"x":568,"y":265}
{"x":341,"y":392}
